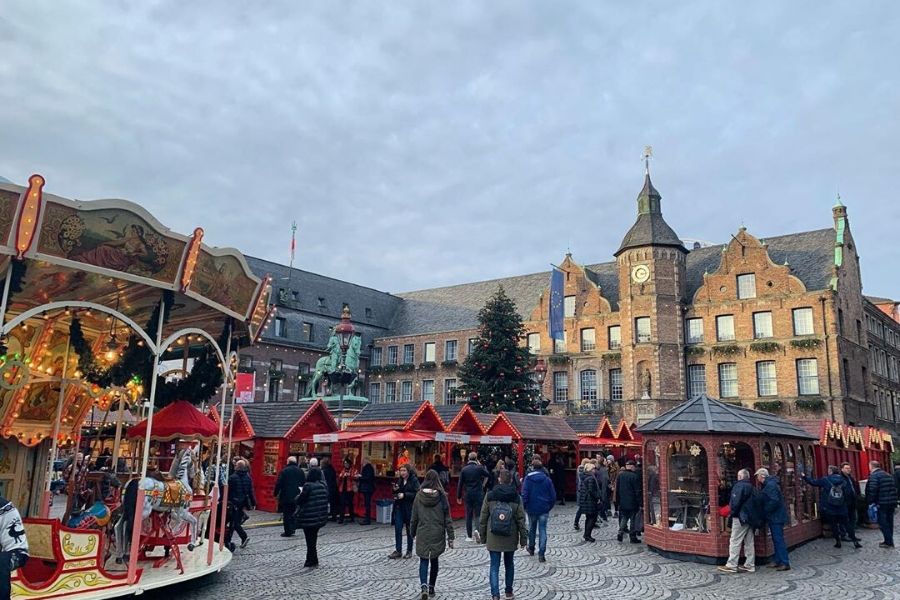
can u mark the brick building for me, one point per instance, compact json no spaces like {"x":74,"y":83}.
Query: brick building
{"x":778,"y":324}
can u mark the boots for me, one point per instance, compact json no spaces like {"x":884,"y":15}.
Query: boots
{"x":424,"y":592}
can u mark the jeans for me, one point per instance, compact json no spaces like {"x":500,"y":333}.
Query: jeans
{"x":741,"y":536}
{"x":886,"y":522}
{"x":473,"y":512}
{"x":312,"y":556}
{"x":495,"y":571}
{"x":626,"y":522}
{"x":287,"y":517}
{"x":538,"y":524}
{"x":367,"y":505}
{"x":424,"y":579}
{"x":781,"y":553}
{"x":402,"y":517}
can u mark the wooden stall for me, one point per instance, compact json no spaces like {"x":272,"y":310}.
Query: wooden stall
{"x":691,"y":457}
{"x":856,"y":445}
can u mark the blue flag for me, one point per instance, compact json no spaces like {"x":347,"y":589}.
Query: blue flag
{"x":557,"y":332}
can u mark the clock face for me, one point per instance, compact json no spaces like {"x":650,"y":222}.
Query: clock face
{"x":640,"y":273}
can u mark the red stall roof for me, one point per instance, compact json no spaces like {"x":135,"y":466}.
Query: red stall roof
{"x":181,"y":419}
{"x":242,"y":430}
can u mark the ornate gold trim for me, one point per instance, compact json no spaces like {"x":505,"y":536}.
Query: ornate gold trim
{"x":74,"y":550}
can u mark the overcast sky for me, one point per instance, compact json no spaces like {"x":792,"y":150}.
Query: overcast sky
{"x":420,"y":144}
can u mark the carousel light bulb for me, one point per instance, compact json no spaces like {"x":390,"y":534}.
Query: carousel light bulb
{"x":110,"y":355}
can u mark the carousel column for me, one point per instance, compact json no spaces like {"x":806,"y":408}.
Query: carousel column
{"x":118,"y":441}
{"x":214,"y":498}
{"x":139,"y":502}
{"x":45,"y":501}
{"x":228,"y":466}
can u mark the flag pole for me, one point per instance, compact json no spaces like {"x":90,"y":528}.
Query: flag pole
{"x":293,"y":248}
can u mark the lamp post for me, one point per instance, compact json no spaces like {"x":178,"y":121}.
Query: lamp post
{"x":540,"y":372}
{"x":345,"y":331}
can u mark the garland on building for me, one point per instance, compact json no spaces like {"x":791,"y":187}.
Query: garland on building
{"x":496,"y":375}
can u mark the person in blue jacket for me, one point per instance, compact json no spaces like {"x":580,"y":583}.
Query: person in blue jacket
{"x":833,"y":501}
{"x":538,"y":498}
{"x":776,"y":517}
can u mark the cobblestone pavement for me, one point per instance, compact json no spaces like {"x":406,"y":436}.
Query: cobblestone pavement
{"x":354,"y":566}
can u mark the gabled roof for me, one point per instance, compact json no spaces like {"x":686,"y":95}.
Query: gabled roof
{"x":703,"y":414}
{"x":532,"y":427}
{"x":404,"y":415}
{"x":241,"y":431}
{"x":585,"y":424}
{"x":278,"y":419}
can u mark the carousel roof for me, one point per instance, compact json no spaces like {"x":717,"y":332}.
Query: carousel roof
{"x":703,"y":414}
{"x":181,"y":419}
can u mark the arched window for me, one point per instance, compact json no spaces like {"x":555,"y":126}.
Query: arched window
{"x":765,"y":461}
{"x":653,"y":514}
{"x":688,"y":487}
{"x":789,"y":483}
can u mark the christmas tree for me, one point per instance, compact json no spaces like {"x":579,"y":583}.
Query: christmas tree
{"x":496,"y":375}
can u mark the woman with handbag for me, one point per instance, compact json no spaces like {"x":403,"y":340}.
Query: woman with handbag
{"x":405,"y":489}
{"x":432,"y":528}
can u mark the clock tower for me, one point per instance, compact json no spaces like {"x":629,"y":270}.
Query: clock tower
{"x":651,"y":270}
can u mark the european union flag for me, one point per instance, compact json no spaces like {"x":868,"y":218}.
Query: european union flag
{"x":557,"y":282}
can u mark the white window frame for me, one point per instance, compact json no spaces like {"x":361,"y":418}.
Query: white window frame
{"x":560,"y":387}
{"x":616,"y":388}
{"x":722,"y":336}
{"x":376,"y":357}
{"x":409,"y":354}
{"x":569,"y":307}
{"x":591,"y":344}
{"x":804,"y":325}
{"x":614,"y":341}
{"x":449,"y":385}
{"x":693,"y":330}
{"x":534,"y":343}
{"x":766,"y":379}
{"x":279,"y":327}
{"x":588,"y":387}
{"x":642,"y":337}
{"x":392,"y":355}
{"x":428,"y":390}
{"x":375,"y":392}
{"x":746,"y":286}
{"x":728,"y":387}
{"x":760,"y":324}
{"x":406,"y":390}
{"x":430,"y":351}
{"x":561,"y":346}
{"x":807,"y":377}
{"x":390,"y":391}
{"x":696,"y":385}
{"x":451,"y":348}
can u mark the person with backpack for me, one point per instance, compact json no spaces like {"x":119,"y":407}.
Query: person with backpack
{"x":589,"y":500}
{"x":833,"y":501}
{"x":433,"y":529}
{"x":881,"y":491}
{"x":772,"y":506}
{"x":741,"y":507}
{"x":538,"y":498}
{"x":471,"y":482}
{"x":405,"y":489}
{"x":502,"y":529}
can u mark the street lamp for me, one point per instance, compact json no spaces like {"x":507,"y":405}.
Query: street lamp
{"x":345,"y":331}
{"x":540,"y":372}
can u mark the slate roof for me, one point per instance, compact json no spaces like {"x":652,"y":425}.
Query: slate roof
{"x":487,"y":419}
{"x":584,"y":424}
{"x":448,"y":412}
{"x":703,"y":414}
{"x":273,"y":419}
{"x":650,"y":227}
{"x":541,"y":427}
{"x":388,"y":411}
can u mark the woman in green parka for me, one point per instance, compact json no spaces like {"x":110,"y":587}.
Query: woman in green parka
{"x":433,"y":529}
{"x":504,"y":498}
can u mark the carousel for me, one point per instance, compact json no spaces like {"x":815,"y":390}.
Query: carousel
{"x":99,"y":301}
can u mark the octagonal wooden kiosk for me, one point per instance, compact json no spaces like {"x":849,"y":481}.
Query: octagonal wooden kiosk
{"x":692,"y":455}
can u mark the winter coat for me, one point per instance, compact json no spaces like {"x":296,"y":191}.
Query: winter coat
{"x":538,"y":493}
{"x":287,"y":486}
{"x":628,"y":491}
{"x":897,"y":479}
{"x":240,"y":490}
{"x":589,"y":494}
{"x":827,"y":506}
{"x":519,"y":536}
{"x":312,"y":506}
{"x":409,"y":490}
{"x":880,"y":489}
{"x":367,"y":479}
{"x":740,"y":502}
{"x":431,"y":524}
{"x":773,"y":501}
{"x":602,"y":476}
{"x":471,"y":481}
{"x":579,"y":475}
{"x":330,"y":477}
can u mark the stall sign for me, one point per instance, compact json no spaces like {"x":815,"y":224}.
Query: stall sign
{"x":496,"y":439}
{"x":243,"y":387}
{"x":456,"y":438}
{"x":325,"y":438}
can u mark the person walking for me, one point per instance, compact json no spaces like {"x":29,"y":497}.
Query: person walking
{"x":589,"y":500}
{"x":502,"y":529}
{"x":612,"y":468}
{"x":852,"y":513}
{"x":740,"y":506}
{"x":881,"y":491}
{"x":13,"y":545}
{"x":602,"y":475}
{"x":405,"y":490}
{"x":557,"y":470}
{"x":628,"y":500}
{"x":776,"y":516}
{"x":833,"y":501}
{"x":538,"y":499}
{"x":432,"y":528}
{"x":367,"y":489}
{"x":287,"y":486}
{"x":312,"y":513}
{"x":347,"y":489}
{"x":579,"y":477}
{"x":471,"y":483}
{"x":329,"y":476}
{"x":240,"y":498}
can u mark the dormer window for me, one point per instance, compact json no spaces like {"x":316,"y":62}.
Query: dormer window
{"x":746,"y":286}
{"x":321,"y":302}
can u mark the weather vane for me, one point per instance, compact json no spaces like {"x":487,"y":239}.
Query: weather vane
{"x":648,"y":154}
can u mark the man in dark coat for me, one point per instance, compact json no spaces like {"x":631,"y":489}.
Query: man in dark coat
{"x":833,"y":501}
{"x":367,"y":488}
{"x":330,"y":477}
{"x":287,"y":486}
{"x":557,"y":470}
{"x":740,"y":505}
{"x":312,"y":513}
{"x":240,"y":497}
{"x":471,"y":484}
{"x":538,"y":499}
{"x":602,"y":475}
{"x":628,"y":499}
{"x":852,"y":513}
{"x":776,"y":516}
{"x":881,"y":491}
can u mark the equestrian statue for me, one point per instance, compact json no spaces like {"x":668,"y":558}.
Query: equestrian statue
{"x":331,"y":363}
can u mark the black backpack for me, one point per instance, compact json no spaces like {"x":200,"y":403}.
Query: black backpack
{"x":835,"y":495}
{"x":501,"y":519}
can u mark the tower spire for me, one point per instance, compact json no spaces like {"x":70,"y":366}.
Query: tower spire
{"x":648,"y":154}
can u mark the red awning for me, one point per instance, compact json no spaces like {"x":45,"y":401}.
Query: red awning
{"x":393,"y":435}
{"x":181,"y":419}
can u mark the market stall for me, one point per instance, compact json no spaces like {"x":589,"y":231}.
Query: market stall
{"x":855,"y":445}
{"x":691,"y":457}
{"x":597,"y":435}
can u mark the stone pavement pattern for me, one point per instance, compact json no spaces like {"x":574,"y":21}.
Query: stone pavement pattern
{"x":354,"y":566}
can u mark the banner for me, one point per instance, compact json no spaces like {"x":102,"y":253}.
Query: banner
{"x":557,"y":283}
{"x":244,"y":386}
